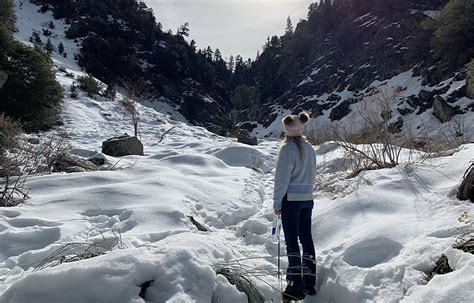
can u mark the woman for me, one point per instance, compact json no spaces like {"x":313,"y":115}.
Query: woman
{"x":293,"y":200}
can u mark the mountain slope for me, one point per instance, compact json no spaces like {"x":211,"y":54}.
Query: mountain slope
{"x":344,"y":54}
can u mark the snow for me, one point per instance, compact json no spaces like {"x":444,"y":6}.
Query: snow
{"x":376,"y":234}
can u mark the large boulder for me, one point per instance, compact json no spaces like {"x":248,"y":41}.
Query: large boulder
{"x":442,"y":110}
{"x":122,"y":146}
{"x":245,"y":138}
{"x":466,"y":190}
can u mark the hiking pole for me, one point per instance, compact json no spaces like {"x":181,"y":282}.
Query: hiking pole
{"x":276,"y":234}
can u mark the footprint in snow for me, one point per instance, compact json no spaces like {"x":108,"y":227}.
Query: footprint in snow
{"x":9,"y":213}
{"x":109,"y":219}
{"x":28,"y":222}
{"x":14,"y":242}
{"x":371,"y":252}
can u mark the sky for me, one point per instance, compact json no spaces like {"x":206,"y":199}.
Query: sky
{"x":235,"y":27}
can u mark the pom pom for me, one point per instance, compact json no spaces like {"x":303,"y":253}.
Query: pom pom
{"x":304,"y":117}
{"x":288,"y":120}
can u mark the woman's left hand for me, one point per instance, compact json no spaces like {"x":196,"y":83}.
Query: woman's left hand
{"x":277,"y":211}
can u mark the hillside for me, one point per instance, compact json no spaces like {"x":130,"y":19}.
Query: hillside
{"x":348,"y":51}
{"x":341,"y":57}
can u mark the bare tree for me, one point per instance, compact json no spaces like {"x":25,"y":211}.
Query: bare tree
{"x":135,"y":91}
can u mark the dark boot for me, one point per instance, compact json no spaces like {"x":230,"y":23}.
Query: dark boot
{"x":293,"y":294}
{"x":310,"y":290}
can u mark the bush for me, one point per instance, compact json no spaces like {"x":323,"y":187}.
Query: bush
{"x":90,"y":85}
{"x":9,"y":131}
{"x":20,"y":160}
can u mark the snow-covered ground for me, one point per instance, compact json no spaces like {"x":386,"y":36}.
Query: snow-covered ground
{"x":376,"y":235}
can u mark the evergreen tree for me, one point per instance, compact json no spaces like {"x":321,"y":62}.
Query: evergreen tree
{"x":217,"y":55}
{"x":231,"y":63}
{"x":183,"y":30}
{"x":289,"y":27}
{"x":454,"y":38}
{"x":31,"y":92}
{"x":193,"y":44}
{"x":49,"y":47}
{"x":60,"y":48}
{"x":36,"y":39}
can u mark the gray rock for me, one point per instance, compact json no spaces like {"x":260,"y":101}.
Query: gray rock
{"x":72,"y":164}
{"x":34,"y":141}
{"x":245,"y":138}
{"x":98,"y":159}
{"x":442,"y":110}
{"x":466,"y":190}
{"x":122,"y":146}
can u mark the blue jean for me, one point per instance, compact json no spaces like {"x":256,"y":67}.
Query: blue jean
{"x":296,"y":222}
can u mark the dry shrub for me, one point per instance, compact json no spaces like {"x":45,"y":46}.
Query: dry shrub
{"x":465,"y":241}
{"x":441,"y":267}
{"x":76,"y":251}
{"x":241,"y":282}
{"x":20,"y":159}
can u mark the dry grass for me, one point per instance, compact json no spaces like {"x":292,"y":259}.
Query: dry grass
{"x":77,"y":251}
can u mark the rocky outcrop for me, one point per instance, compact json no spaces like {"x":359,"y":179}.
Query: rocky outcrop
{"x":442,"y":110}
{"x":122,"y":146}
{"x":466,"y":190}
{"x":206,"y":111}
{"x":340,"y":111}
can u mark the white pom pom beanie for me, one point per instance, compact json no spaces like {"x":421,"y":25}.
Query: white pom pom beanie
{"x":293,"y":124}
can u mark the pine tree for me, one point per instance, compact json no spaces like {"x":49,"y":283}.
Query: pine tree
{"x":217,"y":55}
{"x":289,"y":26}
{"x":36,"y":39}
{"x":49,"y":47}
{"x":231,"y":63}
{"x":60,"y":48}
{"x":183,"y":30}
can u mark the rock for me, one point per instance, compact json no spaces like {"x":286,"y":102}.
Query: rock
{"x":340,"y":111}
{"x":396,"y":127}
{"x":425,"y":96}
{"x":122,"y":146}
{"x":33,"y":141}
{"x":72,"y":164}
{"x":442,"y":110}
{"x":466,"y":190}
{"x":98,"y":159}
{"x":245,"y":138}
